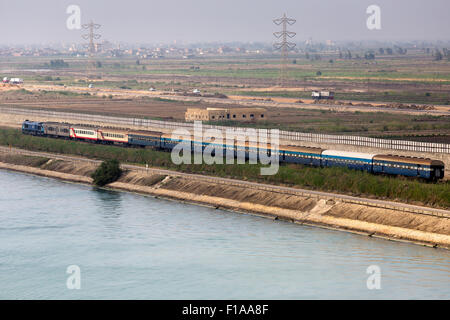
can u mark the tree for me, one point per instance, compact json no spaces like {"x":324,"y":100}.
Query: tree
{"x":369,"y":56}
{"x":108,"y":172}
{"x":400,"y":50}
{"x":348,"y":55}
{"x":58,"y":63}
{"x":389,"y":51}
{"x":446,"y":53}
{"x":381,"y":51}
{"x":437,"y":55}
{"x":319,"y":73}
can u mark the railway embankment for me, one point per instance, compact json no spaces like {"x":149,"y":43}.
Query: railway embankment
{"x":369,"y":220}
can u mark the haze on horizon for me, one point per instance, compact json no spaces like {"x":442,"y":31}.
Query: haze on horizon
{"x":139,"y":21}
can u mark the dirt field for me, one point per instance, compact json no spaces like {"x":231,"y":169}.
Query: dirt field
{"x":121,"y":87}
{"x":325,"y":120}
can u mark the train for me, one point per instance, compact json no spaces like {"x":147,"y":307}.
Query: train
{"x":388,"y":164}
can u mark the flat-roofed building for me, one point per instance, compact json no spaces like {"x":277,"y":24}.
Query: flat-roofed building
{"x":221,"y":114}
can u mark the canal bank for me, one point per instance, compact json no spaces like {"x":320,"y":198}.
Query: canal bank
{"x":357,"y":218}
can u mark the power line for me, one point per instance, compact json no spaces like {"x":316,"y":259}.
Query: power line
{"x":284,"y":45}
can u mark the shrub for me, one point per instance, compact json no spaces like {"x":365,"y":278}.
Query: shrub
{"x":108,"y":172}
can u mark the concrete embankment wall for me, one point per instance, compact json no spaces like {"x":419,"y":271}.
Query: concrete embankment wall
{"x":15,"y":121}
{"x":357,"y":218}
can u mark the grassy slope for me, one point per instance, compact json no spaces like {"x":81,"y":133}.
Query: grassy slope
{"x":326,"y":179}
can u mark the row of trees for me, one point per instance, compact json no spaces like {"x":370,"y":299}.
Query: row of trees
{"x":438,"y":55}
{"x":55,"y":64}
{"x":371,"y":55}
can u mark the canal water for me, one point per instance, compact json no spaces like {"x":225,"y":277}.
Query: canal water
{"x":128,"y":246}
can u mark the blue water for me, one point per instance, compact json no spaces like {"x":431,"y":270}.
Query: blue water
{"x":130,"y":246}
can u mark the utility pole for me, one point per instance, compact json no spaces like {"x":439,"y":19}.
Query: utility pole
{"x":284,"y":45}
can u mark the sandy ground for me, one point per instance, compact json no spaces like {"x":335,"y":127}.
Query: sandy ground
{"x":275,"y":102}
{"x":371,"y":221}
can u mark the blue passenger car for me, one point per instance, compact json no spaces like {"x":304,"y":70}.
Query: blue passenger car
{"x":167,"y":142}
{"x":408,"y":166}
{"x":213,"y":147}
{"x":33,"y":128}
{"x":145,"y":138}
{"x":301,"y":155}
{"x":351,"y":160}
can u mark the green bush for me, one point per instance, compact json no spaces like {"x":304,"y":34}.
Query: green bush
{"x":108,"y":172}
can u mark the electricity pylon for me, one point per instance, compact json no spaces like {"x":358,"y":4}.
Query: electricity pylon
{"x":91,"y":36}
{"x":284,"y":45}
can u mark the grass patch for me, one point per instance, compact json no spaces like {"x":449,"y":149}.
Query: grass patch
{"x":340,"y":180}
{"x":23,"y":160}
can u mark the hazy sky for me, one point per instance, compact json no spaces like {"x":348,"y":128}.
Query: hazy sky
{"x":151,"y":21}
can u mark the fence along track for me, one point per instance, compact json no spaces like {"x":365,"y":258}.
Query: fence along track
{"x":403,"y":145}
{"x":440,"y":213}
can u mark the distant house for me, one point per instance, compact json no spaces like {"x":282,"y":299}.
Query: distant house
{"x":219,"y":114}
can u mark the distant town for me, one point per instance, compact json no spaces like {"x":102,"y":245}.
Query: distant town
{"x":310,"y":48}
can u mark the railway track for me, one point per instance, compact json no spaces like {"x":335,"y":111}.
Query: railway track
{"x":441,"y":213}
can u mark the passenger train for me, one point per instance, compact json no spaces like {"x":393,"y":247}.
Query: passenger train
{"x":373,"y":163}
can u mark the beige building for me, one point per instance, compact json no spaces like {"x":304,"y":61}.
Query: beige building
{"x":219,"y":114}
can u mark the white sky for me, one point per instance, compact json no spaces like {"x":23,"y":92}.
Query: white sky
{"x":151,"y":21}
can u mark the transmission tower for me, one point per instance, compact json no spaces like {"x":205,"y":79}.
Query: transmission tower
{"x":91,"y":36}
{"x":91,"y":46}
{"x":284,"y":45}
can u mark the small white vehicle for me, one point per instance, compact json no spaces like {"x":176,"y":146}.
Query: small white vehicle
{"x":196,"y":91}
{"x":90,"y":86}
{"x":152,"y":89}
{"x":16,"y":81}
{"x":322,"y":95}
